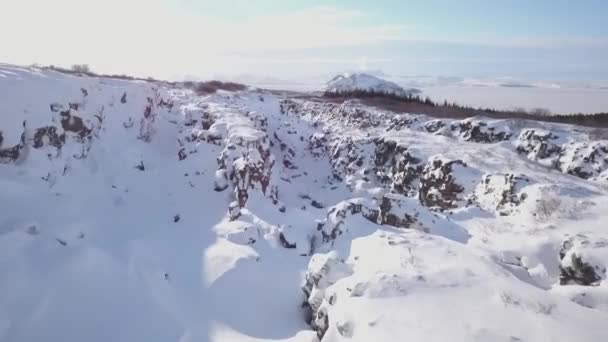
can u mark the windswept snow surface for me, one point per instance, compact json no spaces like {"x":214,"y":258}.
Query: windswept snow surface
{"x":136,"y":211}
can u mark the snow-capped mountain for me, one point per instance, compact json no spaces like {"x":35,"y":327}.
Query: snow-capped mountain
{"x":360,"y":81}
{"x":139,"y":211}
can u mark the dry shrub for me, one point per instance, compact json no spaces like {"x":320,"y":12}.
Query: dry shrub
{"x":210,"y":87}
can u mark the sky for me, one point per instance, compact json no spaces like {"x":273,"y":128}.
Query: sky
{"x":295,"y":39}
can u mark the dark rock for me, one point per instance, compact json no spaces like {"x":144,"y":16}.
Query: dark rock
{"x":285,"y":243}
{"x":73,"y":123}
{"x":537,"y":144}
{"x":395,"y":165}
{"x":12,"y":154}
{"x":575,"y":265}
{"x":141,"y":166}
{"x":50,"y":133}
{"x":323,"y":271}
{"x":234,"y":211}
{"x":579,"y":273}
{"x":181,"y":154}
{"x":479,"y":131}
{"x":434,"y":126}
{"x":388,"y":217}
{"x":56,"y":107}
{"x":438,"y":185}
{"x":317,"y":205}
{"x":506,"y":190}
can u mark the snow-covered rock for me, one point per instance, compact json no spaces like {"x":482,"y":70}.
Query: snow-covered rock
{"x":361,"y":81}
{"x":447,"y":184}
{"x":583,"y":260}
{"x":177,"y":217}
{"x":584,"y":159}
{"x":476,"y":130}
{"x":502,"y":192}
{"x":538,"y":144}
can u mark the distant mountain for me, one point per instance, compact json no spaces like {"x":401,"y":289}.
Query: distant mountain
{"x":362,"y":81}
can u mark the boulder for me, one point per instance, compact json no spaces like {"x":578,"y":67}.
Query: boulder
{"x":583,"y":260}
{"x":323,"y":271}
{"x":538,"y":144}
{"x":480,"y":131}
{"x":446,"y":184}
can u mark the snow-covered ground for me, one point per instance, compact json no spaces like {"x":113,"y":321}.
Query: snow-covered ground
{"x":135,"y":211}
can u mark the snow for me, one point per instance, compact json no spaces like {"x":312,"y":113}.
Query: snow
{"x":175,"y":217}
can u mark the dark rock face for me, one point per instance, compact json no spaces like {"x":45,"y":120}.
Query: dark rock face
{"x":579,"y":273}
{"x":288,"y":153}
{"x":323,"y":271}
{"x":537,"y":144}
{"x":399,"y":122}
{"x":234,"y":211}
{"x":288,"y":106}
{"x":347,"y":157}
{"x":11,"y":154}
{"x":438,"y":186}
{"x":146,"y":123}
{"x":48,"y":134}
{"x":395,"y":165}
{"x":434,"y":126}
{"x":246,"y":165}
{"x":584,"y":159}
{"x":390,"y":211}
{"x":576,"y":267}
{"x":317,"y":144}
{"x":348,"y":113}
{"x":285,"y":242}
{"x":331,"y":228}
{"x":388,"y":216}
{"x":479,"y":131}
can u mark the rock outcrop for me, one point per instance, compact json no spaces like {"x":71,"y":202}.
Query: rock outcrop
{"x":394,"y":164}
{"x":446,"y":184}
{"x":479,"y":131}
{"x":584,"y":159}
{"x":502,"y":192}
{"x":582,"y":260}
{"x":323,"y":271}
{"x":538,"y":144}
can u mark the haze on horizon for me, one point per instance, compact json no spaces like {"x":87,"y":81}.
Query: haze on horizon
{"x":555,"y":40}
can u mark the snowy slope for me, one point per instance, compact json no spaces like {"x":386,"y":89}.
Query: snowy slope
{"x":361,"y":81}
{"x":135,"y":211}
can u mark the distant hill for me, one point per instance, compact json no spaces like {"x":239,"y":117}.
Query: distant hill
{"x":345,"y":83}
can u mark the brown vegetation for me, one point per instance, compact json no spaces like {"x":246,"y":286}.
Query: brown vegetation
{"x":416,"y":104}
{"x":210,"y":87}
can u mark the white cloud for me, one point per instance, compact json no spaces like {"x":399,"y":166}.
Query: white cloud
{"x":150,"y":37}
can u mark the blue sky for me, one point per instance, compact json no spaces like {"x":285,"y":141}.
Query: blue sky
{"x":537,"y":39}
{"x":510,"y":18}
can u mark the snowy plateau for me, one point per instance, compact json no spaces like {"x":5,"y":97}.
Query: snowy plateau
{"x":140,"y":211}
